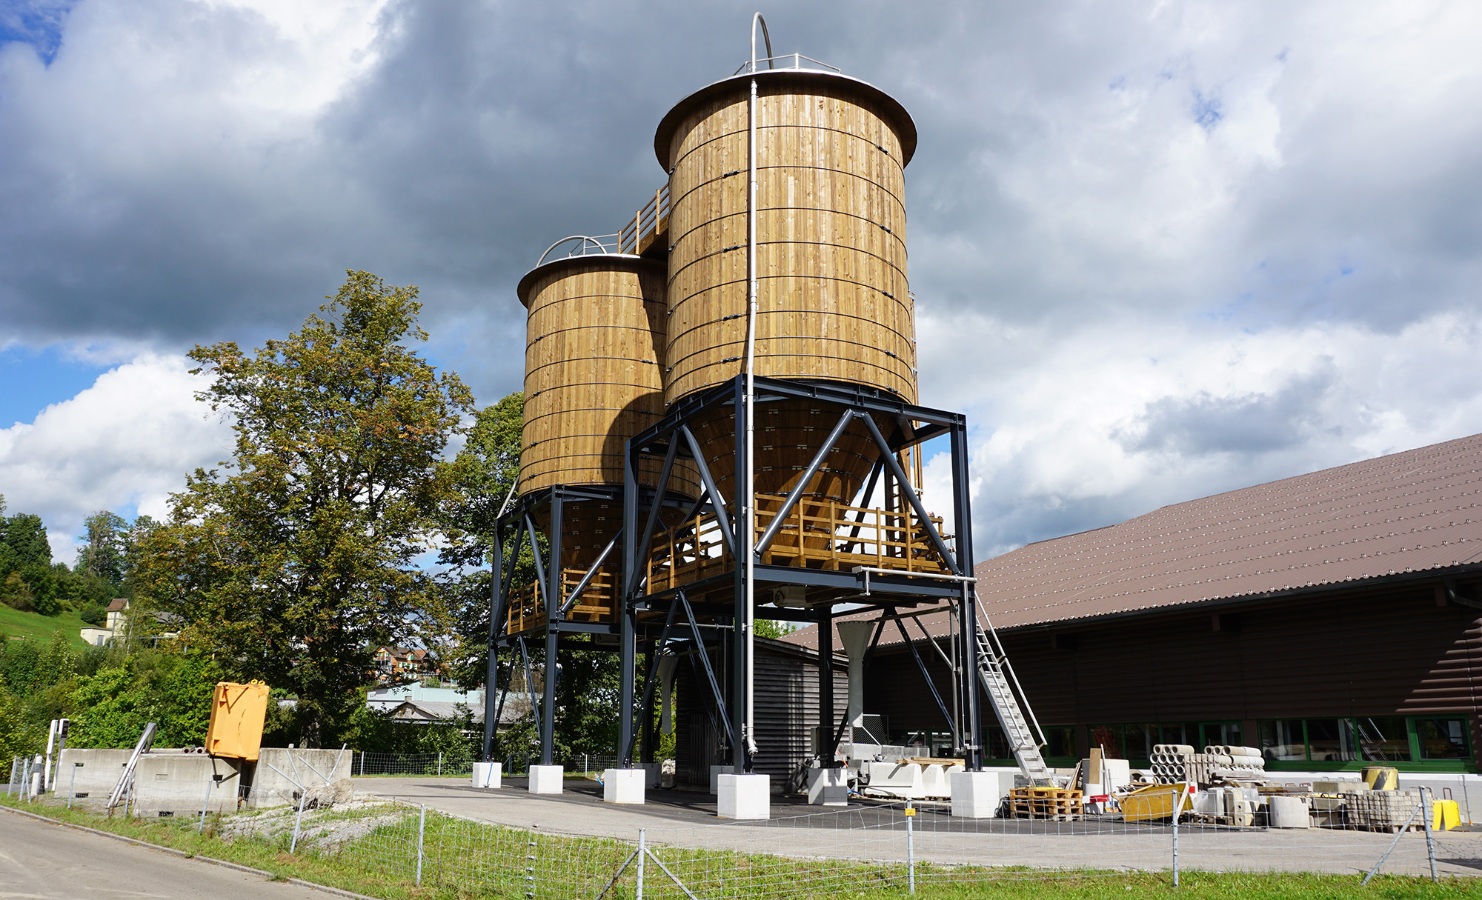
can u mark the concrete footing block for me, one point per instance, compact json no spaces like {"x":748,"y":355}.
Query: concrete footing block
{"x":546,"y":779}
{"x":715,"y":773}
{"x":828,"y":787}
{"x":623,"y":785}
{"x":744,"y":797}
{"x":977,"y":795}
{"x":488,"y":774}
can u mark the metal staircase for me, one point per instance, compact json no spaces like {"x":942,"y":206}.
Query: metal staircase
{"x":1019,"y":725}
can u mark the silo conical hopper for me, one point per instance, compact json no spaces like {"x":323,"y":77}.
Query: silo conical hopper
{"x":833,"y":302}
{"x":595,"y":331}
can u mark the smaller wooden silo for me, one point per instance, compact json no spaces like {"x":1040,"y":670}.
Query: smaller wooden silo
{"x":594,"y":339}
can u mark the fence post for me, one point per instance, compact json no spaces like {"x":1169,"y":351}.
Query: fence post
{"x":206,"y":804}
{"x":10,"y":785}
{"x":72,"y":784}
{"x":642,"y":851}
{"x":911,"y":845}
{"x":421,"y":839}
{"x":362,"y":763}
{"x":1178,"y":805}
{"x":439,"y":763}
{"x":303,"y":798}
{"x":1427,"y":814}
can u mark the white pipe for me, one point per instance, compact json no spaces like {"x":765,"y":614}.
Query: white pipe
{"x":51,"y":743}
{"x":748,"y":527}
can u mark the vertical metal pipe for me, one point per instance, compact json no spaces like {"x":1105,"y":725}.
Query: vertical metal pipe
{"x":826,"y":681}
{"x":968,"y":612}
{"x":642,"y":852}
{"x":1427,"y":816}
{"x":628,"y":582}
{"x":491,"y":671}
{"x":421,"y":840}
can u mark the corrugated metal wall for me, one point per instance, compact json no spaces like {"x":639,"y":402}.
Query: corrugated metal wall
{"x":787,"y":707}
{"x":1388,"y":652}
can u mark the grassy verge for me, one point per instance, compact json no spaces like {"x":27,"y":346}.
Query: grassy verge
{"x":370,"y":848}
{"x":40,"y":628}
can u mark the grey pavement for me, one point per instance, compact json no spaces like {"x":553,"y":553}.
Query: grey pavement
{"x":687,"y":819}
{"x":45,"y":860}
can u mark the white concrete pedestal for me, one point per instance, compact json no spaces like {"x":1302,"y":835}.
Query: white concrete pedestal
{"x":488,"y":774}
{"x":976,"y":795}
{"x":744,"y":797}
{"x":715,"y":773}
{"x":828,"y":787}
{"x":623,"y":785}
{"x":546,"y":779}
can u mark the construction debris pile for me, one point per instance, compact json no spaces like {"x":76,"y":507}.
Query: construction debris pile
{"x":1229,"y":786}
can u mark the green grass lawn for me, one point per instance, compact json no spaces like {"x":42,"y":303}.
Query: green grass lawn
{"x":16,"y":624}
{"x":466,"y":859}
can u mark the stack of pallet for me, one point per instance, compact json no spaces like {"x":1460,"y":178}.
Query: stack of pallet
{"x":1046,"y":803}
{"x":1386,"y":810}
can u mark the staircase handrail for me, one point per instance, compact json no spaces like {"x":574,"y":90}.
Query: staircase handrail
{"x":1002,"y":660}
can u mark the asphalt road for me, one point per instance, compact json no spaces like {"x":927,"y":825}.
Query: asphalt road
{"x":43,"y":860}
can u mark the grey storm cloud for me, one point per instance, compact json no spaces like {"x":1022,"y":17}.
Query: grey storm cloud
{"x":1158,"y":249}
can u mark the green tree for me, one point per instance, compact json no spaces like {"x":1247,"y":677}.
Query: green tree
{"x":299,"y":559}
{"x":104,"y":550}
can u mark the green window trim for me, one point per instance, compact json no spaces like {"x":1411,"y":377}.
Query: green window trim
{"x":1433,"y":743}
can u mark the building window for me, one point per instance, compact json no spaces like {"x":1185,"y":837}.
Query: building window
{"x":1345,"y":743}
{"x":1442,"y":738}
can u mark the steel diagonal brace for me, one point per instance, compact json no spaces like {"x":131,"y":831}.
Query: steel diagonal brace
{"x":910,"y":491}
{"x":586,"y":579}
{"x":807,"y":476}
{"x":535,"y":550}
{"x":653,"y":671}
{"x":921,"y":664}
{"x":716,"y":500}
{"x":720,"y":700}
{"x":647,"y":537}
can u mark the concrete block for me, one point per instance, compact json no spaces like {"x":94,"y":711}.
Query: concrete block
{"x":546,"y":779}
{"x":828,"y":787}
{"x":623,"y":785}
{"x":977,"y":795}
{"x":488,"y":774}
{"x":892,"y":779}
{"x":744,"y":797}
{"x":715,"y":773}
{"x":279,"y":773}
{"x":95,"y":777}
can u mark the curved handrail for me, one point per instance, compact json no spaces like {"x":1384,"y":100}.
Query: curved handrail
{"x":582,"y":247}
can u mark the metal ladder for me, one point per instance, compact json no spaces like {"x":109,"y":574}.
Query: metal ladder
{"x":1019,"y":725}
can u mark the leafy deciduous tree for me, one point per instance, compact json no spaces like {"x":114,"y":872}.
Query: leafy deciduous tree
{"x":295,"y":563}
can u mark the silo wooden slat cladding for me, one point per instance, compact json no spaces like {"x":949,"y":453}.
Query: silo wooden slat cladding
{"x":592,"y":376}
{"x":833,"y":301}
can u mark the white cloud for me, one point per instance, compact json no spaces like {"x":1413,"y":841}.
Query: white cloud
{"x":127,"y":441}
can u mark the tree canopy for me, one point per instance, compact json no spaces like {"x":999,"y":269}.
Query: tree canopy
{"x":298,"y":558}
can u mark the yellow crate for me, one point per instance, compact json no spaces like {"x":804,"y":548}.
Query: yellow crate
{"x":237,"y":714}
{"x":1155,"y":802}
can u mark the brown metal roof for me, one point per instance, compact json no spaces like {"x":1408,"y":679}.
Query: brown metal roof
{"x":1407,"y":513}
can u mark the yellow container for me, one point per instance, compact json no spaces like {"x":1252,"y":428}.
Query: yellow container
{"x":237,"y":714}
{"x":1381,"y":778}
{"x":1155,"y":802}
{"x":1445,"y":815}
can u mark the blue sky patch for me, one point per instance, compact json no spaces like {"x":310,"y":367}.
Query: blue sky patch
{"x":35,"y":22}
{"x":35,"y":379}
{"x":1207,"y":110}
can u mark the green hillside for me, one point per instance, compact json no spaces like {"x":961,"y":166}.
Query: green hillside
{"x":15,"y":623}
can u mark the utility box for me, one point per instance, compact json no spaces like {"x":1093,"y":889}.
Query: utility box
{"x":237,"y":714}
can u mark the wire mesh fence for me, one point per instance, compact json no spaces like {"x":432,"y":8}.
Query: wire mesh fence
{"x":890,"y":847}
{"x":447,"y":764}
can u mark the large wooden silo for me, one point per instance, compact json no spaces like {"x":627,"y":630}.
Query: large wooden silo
{"x":594,"y":334}
{"x":833,"y":301}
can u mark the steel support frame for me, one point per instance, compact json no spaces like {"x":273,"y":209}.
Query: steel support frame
{"x":672,"y":434}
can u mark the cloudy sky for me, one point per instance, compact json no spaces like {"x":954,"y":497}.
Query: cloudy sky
{"x":1159,"y":249}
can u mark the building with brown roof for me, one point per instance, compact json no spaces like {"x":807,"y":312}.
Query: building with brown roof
{"x":1333,"y":619}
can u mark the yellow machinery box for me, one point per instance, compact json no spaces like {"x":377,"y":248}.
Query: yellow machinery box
{"x":237,"y":713}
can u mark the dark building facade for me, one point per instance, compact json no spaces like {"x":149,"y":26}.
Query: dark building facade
{"x":1333,"y":619}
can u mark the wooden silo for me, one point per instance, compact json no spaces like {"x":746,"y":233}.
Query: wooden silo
{"x":833,"y":302}
{"x":594,"y":334}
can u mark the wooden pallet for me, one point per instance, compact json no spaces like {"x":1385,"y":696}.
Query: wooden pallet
{"x":1046,"y":803}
